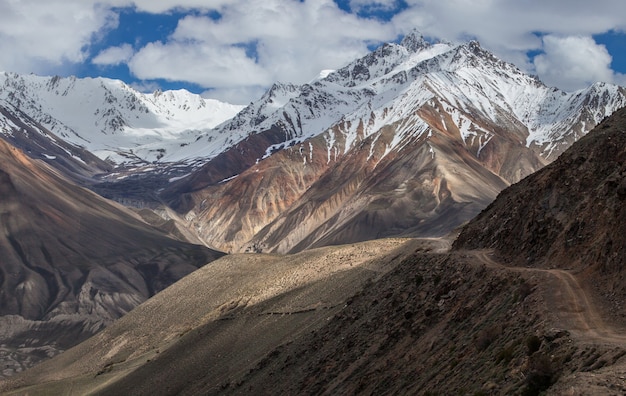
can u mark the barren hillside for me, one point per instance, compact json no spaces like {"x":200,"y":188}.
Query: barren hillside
{"x":570,"y":215}
{"x":72,"y":262}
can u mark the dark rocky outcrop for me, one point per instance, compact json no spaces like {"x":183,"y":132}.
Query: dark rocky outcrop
{"x":571,"y":214}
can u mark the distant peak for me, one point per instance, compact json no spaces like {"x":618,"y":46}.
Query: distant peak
{"x":414,"y":41}
{"x":281,"y":87}
{"x":474,"y":49}
{"x":474,"y":46}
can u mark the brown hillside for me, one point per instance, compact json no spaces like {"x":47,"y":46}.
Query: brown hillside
{"x":72,"y":262}
{"x":217,"y":322}
{"x":570,"y":215}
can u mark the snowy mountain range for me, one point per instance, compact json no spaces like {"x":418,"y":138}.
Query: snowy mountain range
{"x":414,"y":139}
{"x":459,"y":119}
{"x":436,"y":129}
{"x":390,"y":83}
{"x":114,"y":121}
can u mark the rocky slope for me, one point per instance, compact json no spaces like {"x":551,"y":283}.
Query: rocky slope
{"x":569,"y":215}
{"x":72,"y":262}
{"x":413,"y":139}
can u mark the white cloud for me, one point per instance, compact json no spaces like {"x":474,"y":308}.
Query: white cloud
{"x":206,"y":65}
{"x":573,"y":62}
{"x":498,"y":21}
{"x":254,"y":43}
{"x":162,"y":6}
{"x":37,"y":36}
{"x":114,"y":55}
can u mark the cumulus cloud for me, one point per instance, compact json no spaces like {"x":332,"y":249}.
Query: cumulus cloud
{"x":282,"y":40}
{"x":498,"y":21}
{"x":114,"y":55}
{"x":162,"y":6}
{"x":573,"y":62}
{"x":205,"y":65}
{"x":38,"y":36}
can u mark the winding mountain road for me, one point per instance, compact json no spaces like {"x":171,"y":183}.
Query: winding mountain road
{"x":570,"y":302}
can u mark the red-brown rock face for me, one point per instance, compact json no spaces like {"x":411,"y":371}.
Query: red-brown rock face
{"x":314,"y":194}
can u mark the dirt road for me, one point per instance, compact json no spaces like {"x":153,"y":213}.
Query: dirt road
{"x":570,"y":302}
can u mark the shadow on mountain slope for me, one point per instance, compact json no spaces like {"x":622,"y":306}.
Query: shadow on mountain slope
{"x":72,"y":262}
{"x":411,"y":321}
{"x":187,"y":332}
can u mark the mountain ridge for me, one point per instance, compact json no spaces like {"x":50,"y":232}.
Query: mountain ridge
{"x":114,"y":121}
{"x":459,"y":103}
{"x":441,"y":121}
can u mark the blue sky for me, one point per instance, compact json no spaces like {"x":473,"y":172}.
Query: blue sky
{"x":233,"y":50}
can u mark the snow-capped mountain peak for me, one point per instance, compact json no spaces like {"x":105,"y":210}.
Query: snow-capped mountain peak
{"x":112,"y":119}
{"x":414,"y":42}
{"x":461,"y":114}
{"x":391,"y":82}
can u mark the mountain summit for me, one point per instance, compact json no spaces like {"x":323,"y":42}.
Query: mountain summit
{"x":414,"y":42}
